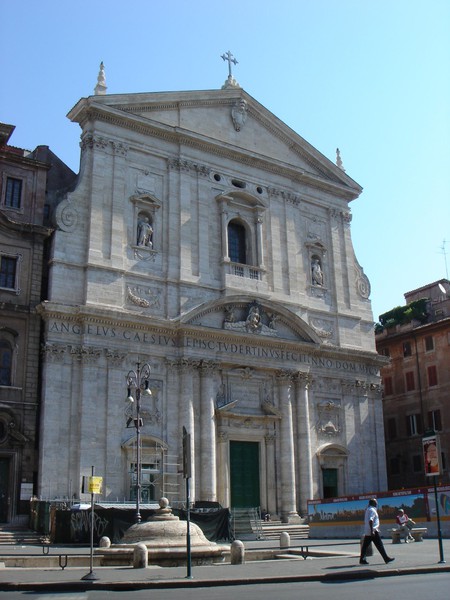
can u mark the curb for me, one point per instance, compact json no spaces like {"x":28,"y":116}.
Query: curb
{"x":359,"y":574}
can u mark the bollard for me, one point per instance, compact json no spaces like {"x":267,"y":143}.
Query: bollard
{"x":104,"y":542}
{"x":140,"y":556}
{"x":237,"y":553}
{"x":285,"y":540}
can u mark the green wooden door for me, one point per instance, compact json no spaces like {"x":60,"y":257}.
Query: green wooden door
{"x":4,"y":491}
{"x":330,"y":483}
{"x":244,"y":474}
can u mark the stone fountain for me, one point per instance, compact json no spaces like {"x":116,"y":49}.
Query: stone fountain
{"x":164,"y":535}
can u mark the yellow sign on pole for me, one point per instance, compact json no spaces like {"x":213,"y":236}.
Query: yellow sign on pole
{"x":95,"y":485}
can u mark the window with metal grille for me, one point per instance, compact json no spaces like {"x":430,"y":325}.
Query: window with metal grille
{"x":414,"y":424}
{"x":13,"y":196}
{"x":8,"y":268}
{"x":237,"y":243}
{"x":407,"y":350}
{"x":388,"y":388}
{"x":429,"y":343}
{"x":392,"y":428}
{"x":394,"y":465}
{"x":434,"y":420}
{"x":410,"y":385}
{"x":432,"y":375}
{"x":417,"y":463}
{"x":5,"y":363}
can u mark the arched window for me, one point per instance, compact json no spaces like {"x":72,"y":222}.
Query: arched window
{"x":5,"y":363}
{"x":237,"y":243}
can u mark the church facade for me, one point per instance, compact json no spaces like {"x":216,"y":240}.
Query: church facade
{"x":208,"y":240}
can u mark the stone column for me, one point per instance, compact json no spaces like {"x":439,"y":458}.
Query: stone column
{"x":271,"y":479}
{"x":187,"y":414}
{"x":224,"y":226}
{"x":259,"y":240}
{"x":223,"y":469}
{"x":208,"y":478}
{"x":287,"y":464}
{"x":304,"y":452}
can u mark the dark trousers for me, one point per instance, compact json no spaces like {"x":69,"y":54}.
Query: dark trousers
{"x":378,"y":543}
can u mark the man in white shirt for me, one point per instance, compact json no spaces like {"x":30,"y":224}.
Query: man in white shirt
{"x":372,"y":533}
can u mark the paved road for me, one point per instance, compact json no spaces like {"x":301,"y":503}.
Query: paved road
{"x":334,"y":562}
{"x":433,"y":586}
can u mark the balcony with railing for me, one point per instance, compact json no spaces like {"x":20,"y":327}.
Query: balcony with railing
{"x":247,"y":277}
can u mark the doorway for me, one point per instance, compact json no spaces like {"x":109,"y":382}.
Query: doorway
{"x":244,"y":474}
{"x":330,"y":483}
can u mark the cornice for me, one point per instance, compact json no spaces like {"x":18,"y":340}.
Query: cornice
{"x":25,"y":228}
{"x":179,"y":135}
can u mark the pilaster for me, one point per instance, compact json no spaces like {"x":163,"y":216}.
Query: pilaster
{"x":304,"y":454}
{"x":208,"y":477}
{"x":288,"y":497}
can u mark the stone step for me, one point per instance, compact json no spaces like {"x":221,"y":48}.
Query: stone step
{"x":293,"y":534}
{"x":13,"y":535}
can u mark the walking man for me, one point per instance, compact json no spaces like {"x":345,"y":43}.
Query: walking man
{"x":372,"y":533}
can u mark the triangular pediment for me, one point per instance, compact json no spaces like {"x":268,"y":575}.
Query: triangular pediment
{"x":247,"y":316}
{"x":229,"y":120}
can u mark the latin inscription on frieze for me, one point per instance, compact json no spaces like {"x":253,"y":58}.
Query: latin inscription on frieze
{"x":56,"y":329}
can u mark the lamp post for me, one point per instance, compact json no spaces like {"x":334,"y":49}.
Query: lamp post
{"x":137,"y":384}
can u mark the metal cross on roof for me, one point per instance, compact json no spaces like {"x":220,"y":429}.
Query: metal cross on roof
{"x":230,"y":58}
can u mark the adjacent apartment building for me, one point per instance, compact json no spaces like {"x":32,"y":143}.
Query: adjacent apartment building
{"x":28,"y":185}
{"x":416,"y":382}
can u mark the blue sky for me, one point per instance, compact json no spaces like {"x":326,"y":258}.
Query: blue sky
{"x":371,"y":78}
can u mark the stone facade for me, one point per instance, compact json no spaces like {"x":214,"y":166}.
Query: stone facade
{"x":209,"y":240}
{"x":416,"y":395}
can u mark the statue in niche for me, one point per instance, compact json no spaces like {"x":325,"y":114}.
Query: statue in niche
{"x":239,"y":114}
{"x":144,"y":233}
{"x":316,"y":271}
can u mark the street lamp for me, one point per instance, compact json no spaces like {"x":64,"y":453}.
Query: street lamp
{"x":137,"y":384}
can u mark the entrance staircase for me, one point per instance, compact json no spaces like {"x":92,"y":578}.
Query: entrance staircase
{"x":246,"y":524}
{"x":271,"y":530}
{"x":19,"y":535}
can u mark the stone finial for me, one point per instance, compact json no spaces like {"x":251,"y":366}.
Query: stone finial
{"x":100,"y":88}
{"x":339,"y":160}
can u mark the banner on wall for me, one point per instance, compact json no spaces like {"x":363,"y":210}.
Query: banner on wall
{"x":418,"y":503}
{"x":431,"y":455}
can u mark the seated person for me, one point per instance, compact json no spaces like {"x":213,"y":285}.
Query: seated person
{"x":405,"y":525}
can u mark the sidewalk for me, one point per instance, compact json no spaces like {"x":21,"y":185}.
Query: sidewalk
{"x":336,"y":560}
